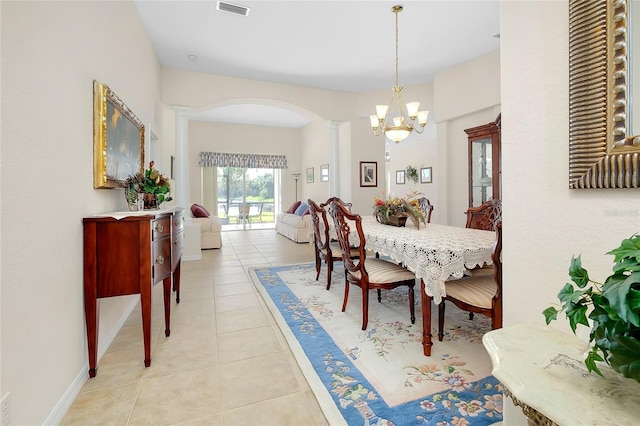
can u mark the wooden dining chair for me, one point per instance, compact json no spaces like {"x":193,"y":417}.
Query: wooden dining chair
{"x":426,"y":207}
{"x":367,"y":273}
{"x":477,"y":294}
{"x":484,"y":216}
{"x":325,"y":250}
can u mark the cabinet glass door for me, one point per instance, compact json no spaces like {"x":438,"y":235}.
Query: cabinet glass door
{"x":481,"y":171}
{"x":485,"y":169}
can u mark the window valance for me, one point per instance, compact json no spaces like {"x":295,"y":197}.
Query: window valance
{"x":250,"y":161}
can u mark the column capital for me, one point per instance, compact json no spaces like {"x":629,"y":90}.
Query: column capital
{"x":181,"y":111}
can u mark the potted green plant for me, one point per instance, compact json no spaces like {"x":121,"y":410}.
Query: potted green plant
{"x":613,"y":309}
{"x":152,"y":184}
{"x":412,"y":174}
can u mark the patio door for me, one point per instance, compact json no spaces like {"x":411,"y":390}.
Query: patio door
{"x":246,"y":197}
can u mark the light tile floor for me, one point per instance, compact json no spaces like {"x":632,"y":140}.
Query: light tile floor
{"x":226,"y":361}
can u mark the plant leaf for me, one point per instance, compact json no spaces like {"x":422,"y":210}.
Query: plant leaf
{"x":618,"y":291}
{"x":624,"y":356}
{"x":591,"y":359}
{"x":577,"y":314}
{"x":578,"y":274}
{"x":626,"y":265}
{"x":629,"y":248}
{"x":550,"y":314}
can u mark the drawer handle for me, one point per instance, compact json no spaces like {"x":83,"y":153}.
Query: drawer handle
{"x":160,"y":260}
{"x":159,"y":227}
{"x":177,"y":241}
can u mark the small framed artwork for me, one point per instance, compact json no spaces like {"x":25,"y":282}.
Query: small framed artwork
{"x":400,"y":177}
{"x":310,"y":175}
{"x":118,"y":139}
{"x":425,"y":175}
{"x":173,"y":173}
{"x":368,"y":173}
{"x":324,"y":173}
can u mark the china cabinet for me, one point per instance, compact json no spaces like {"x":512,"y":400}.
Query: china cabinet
{"x":485,"y":169}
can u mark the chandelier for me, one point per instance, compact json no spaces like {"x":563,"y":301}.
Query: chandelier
{"x":398,"y":127}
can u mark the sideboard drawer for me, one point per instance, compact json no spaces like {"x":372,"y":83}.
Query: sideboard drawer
{"x":177,"y":222}
{"x":161,"y":227}
{"x":161,"y":258}
{"x":177,"y":248}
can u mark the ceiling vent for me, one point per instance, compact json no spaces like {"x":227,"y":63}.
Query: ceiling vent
{"x":233,"y":8}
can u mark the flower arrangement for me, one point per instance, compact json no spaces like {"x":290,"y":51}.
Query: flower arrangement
{"x":407,"y":206}
{"x":149,"y":182}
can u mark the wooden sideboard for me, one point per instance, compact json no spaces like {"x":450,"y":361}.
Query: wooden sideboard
{"x":128,"y":253}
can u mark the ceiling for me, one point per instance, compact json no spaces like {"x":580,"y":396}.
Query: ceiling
{"x":336,"y":45}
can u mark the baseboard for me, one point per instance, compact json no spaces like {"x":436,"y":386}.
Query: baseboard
{"x":192,"y":257}
{"x":57,"y":414}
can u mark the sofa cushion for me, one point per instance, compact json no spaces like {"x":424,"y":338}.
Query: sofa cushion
{"x":303,"y":207}
{"x":292,"y":220}
{"x":293,"y":207}
{"x":199,"y":211}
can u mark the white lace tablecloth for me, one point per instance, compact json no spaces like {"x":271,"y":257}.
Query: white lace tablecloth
{"x":434,"y":252}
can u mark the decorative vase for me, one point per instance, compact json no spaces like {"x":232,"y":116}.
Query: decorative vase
{"x":131,"y":198}
{"x":150,"y":201}
{"x":393,"y":220}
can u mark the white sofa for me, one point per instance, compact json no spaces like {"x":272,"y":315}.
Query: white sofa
{"x":210,"y":232}
{"x":294,"y":227}
{"x":210,"y":227}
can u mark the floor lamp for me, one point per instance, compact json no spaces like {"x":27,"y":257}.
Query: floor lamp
{"x":296,"y":176}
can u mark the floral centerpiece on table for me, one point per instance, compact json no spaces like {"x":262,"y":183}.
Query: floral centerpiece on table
{"x":151,"y":183}
{"x":386,"y":207}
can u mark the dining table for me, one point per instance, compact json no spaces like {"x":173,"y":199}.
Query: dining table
{"x":433,"y":252}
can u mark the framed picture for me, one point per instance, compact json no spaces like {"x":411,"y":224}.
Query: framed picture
{"x":400,"y":177}
{"x":425,"y":175}
{"x":310,"y":175}
{"x":368,"y":173}
{"x":118,"y":139}
{"x":173,"y":172}
{"x":324,"y":173}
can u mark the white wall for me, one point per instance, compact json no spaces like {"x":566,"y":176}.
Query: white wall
{"x":467,"y":95}
{"x":418,"y":150}
{"x":51,"y":53}
{"x":316,"y":150}
{"x":545,"y":223}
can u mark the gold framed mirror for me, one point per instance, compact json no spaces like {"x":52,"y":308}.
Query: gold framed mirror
{"x":604,"y":148}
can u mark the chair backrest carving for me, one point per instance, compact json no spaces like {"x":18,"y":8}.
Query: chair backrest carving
{"x":320,"y":227}
{"x":485,"y":216}
{"x":426,"y":207}
{"x":338,"y":200}
{"x":343,"y":220}
{"x":496,"y":257}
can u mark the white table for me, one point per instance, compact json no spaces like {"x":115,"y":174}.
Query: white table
{"x":433,"y":252}
{"x":543,"y":371}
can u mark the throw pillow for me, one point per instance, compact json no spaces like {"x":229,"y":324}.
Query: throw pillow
{"x":301,"y":209}
{"x":293,"y":207}
{"x":199,"y":211}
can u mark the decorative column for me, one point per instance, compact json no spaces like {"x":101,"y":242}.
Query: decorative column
{"x":192,"y":235}
{"x":182,"y":195}
{"x":334,"y":156}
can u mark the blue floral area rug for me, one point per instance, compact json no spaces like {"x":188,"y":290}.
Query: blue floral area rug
{"x":380,"y":376}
